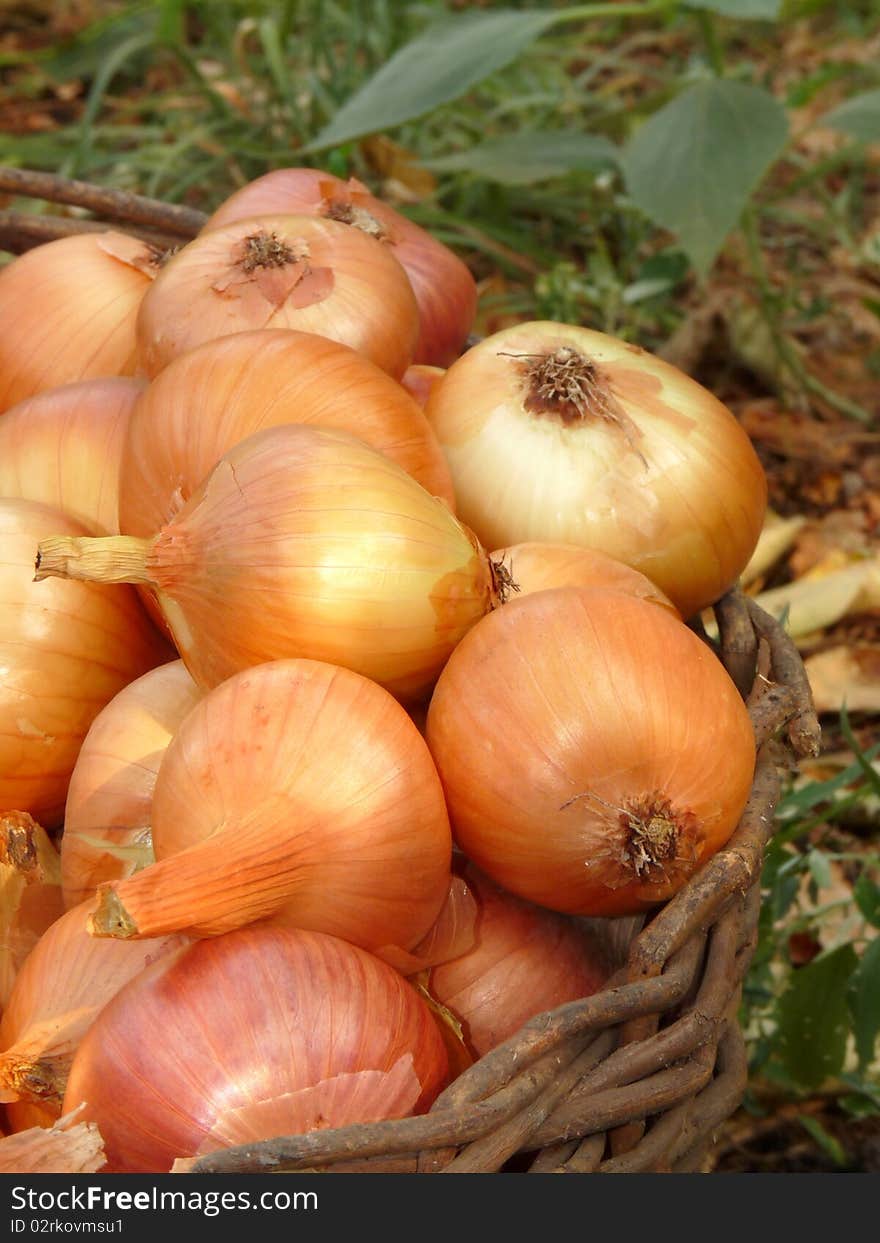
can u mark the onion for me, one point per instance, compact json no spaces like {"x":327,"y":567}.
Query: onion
{"x":30,"y":892}
{"x":264,"y":1032}
{"x":524,"y":568}
{"x":303,"y":541}
{"x":592,"y":749}
{"x":69,"y":1147}
{"x":216,"y":395}
{"x":525,"y":960}
{"x":107,"y":820}
{"x":64,"y":654}
{"x":444,"y":288}
{"x":281,"y":272}
{"x":68,"y":310}
{"x":296,"y":790}
{"x":557,"y":433}
{"x":65,"y":982}
{"x":64,"y":446}
{"x":419,"y":380}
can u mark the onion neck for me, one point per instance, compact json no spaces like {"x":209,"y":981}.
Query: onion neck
{"x":94,"y":559}
{"x":358,"y":217}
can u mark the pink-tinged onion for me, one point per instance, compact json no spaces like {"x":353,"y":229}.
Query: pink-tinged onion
{"x":296,"y":790}
{"x":525,"y":960}
{"x":30,"y":892}
{"x":445,"y":291}
{"x":419,"y":380}
{"x":64,"y":654}
{"x":561,"y":434}
{"x":211,"y":398}
{"x":64,"y":984}
{"x":264,"y":1032}
{"x":64,"y":447}
{"x":303,"y":542}
{"x":281,"y":272}
{"x":108,"y":817}
{"x":69,"y":1147}
{"x":524,"y":568}
{"x":68,"y":311}
{"x":593,"y":751}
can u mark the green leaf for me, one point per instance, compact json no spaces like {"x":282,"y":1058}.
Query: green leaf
{"x":829,"y":1145}
{"x":531,"y":155}
{"x":859,"y":117}
{"x":820,"y":869}
{"x":814,"y":1018}
{"x":438,"y":65}
{"x":867,"y":899}
{"x":746,"y":10}
{"x":864,"y":1002}
{"x":694,"y":164}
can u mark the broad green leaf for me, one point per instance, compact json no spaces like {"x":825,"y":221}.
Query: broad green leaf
{"x":532,"y":155}
{"x":746,"y":10}
{"x":438,"y":65}
{"x":867,"y":898}
{"x":694,"y":164}
{"x":814,"y":1018}
{"x":864,"y":1002}
{"x":859,"y":117}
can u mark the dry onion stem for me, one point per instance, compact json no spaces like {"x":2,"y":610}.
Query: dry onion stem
{"x":30,"y":892}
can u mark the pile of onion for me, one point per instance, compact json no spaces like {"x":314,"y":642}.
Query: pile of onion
{"x":264,"y":1032}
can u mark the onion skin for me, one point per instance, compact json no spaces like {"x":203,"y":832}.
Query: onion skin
{"x":110,"y":796}
{"x":419,"y":380}
{"x":592,"y":750}
{"x":64,"y":447}
{"x":70,"y":1147}
{"x":525,"y":960}
{"x":68,"y":311}
{"x":303,"y":542}
{"x":351,"y":290}
{"x":211,"y":398}
{"x":65,"y":652}
{"x":30,"y":892}
{"x":266,"y":1032}
{"x":444,"y":289}
{"x":295,"y":790}
{"x":538,"y":567}
{"x":657,"y":473}
{"x":65,"y":981}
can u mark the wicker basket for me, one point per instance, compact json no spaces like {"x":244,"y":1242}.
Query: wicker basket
{"x":636,"y":1077}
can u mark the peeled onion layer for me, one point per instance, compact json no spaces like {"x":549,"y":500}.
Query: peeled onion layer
{"x":300,"y":791}
{"x":68,"y":311}
{"x":303,"y":542}
{"x":264,"y":1031}
{"x":281,"y":271}
{"x":557,"y":433}
{"x":445,"y":290}
{"x":68,"y":977}
{"x":108,"y":815}
{"x":214,"y":396}
{"x":524,"y":568}
{"x":593,"y":750}
{"x":65,"y":652}
{"x":64,"y":447}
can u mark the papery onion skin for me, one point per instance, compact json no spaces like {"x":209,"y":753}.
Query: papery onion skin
{"x":68,"y":311}
{"x":658,"y":474}
{"x":110,"y":796}
{"x":65,"y":653}
{"x":212,"y":397}
{"x":304,"y":542}
{"x":70,"y":1147}
{"x":30,"y":892}
{"x":524,"y":568}
{"x":445,"y":290}
{"x":525,"y":960}
{"x":351,"y":290}
{"x":419,"y":380}
{"x":64,"y":983}
{"x":592,"y":749}
{"x":296,"y":790}
{"x":64,"y":447}
{"x":265,"y":1032}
